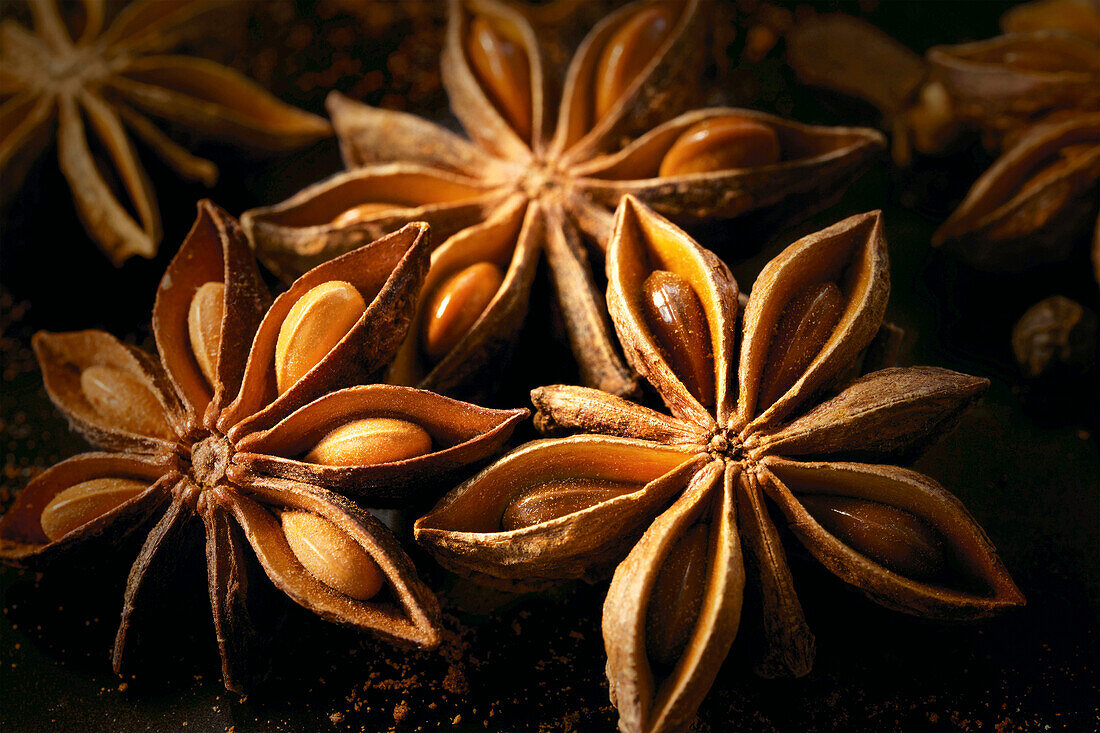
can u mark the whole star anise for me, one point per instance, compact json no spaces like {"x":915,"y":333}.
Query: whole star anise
{"x":746,"y":425}
{"x":542,"y":174}
{"x":248,"y":423}
{"x":51,"y":77}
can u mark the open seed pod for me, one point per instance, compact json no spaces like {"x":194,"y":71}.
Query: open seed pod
{"x":1008,"y":82}
{"x":540,"y":175}
{"x":747,"y":424}
{"x":1033,"y":202}
{"x":249,"y":425}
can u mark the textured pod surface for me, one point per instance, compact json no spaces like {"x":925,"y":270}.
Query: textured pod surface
{"x":734,"y":469}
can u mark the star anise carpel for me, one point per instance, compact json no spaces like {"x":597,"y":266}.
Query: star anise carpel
{"x":540,"y":174}
{"x":762,"y":423}
{"x":105,"y":82}
{"x":254,"y":424}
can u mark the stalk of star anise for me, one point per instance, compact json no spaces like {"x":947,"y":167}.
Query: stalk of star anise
{"x":540,"y":175}
{"x":681,"y":502}
{"x":250,"y":424}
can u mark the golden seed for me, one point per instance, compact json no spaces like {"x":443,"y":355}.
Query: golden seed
{"x":628,"y":51}
{"x":331,"y":556}
{"x":371,"y":440}
{"x":677,"y":596}
{"x":204,"y":326}
{"x":81,"y":503}
{"x":554,"y":499}
{"x":721,"y":143}
{"x":124,"y":401}
{"x":456,"y":305}
{"x":675,"y":316}
{"x":359,"y":213}
{"x":893,"y":537}
{"x":502,"y":68}
{"x":807,"y":322}
{"x":316,"y":323}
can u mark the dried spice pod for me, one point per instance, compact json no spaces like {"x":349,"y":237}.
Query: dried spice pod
{"x":885,"y":74}
{"x":1080,"y":17}
{"x":1055,"y":338}
{"x":111,"y":78}
{"x":537,"y":176}
{"x":207,"y":433}
{"x":1033,"y":202}
{"x":694,"y":483}
{"x":1006,"y":83}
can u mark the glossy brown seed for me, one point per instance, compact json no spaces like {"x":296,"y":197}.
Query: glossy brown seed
{"x":628,"y":51}
{"x":677,"y":597}
{"x":721,"y":143}
{"x":554,"y":499}
{"x":803,"y":329}
{"x":316,"y":323}
{"x":124,"y":401}
{"x":204,"y":326}
{"x":893,"y":537}
{"x":675,"y":316}
{"x":331,"y":556}
{"x":502,"y":68}
{"x":456,"y":305}
{"x":81,"y":503}
{"x":361,"y":212}
{"x":369,"y":441}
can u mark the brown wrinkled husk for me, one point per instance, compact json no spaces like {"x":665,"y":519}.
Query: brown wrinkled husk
{"x":732,"y":464}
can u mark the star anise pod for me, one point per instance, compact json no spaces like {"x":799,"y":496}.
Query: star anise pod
{"x":1034,"y":202}
{"x":746,"y":427}
{"x":52,"y":78}
{"x":247,"y":425}
{"x":543,"y":173}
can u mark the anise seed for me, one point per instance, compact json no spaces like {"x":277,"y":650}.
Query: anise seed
{"x":677,"y":597}
{"x":804,"y":328}
{"x":503,"y":70}
{"x":81,"y":503}
{"x":369,"y":441}
{"x":627,"y":52}
{"x":721,"y":143}
{"x":554,"y":499}
{"x":204,"y":326}
{"x":456,"y":305}
{"x":358,"y":213}
{"x":315,"y":324}
{"x":124,"y":401}
{"x":331,"y":556}
{"x":893,"y":537}
{"x":675,"y":316}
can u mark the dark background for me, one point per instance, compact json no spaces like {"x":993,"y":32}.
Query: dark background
{"x":1025,"y":462}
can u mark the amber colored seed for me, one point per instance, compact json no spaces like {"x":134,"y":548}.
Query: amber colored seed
{"x":553,"y":499}
{"x":331,"y":556}
{"x":359,"y":213}
{"x":124,"y":401}
{"x":721,"y":143}
{"x":503,"y":70}
{"x":1045,"y":59}
{"x":81,"y":503}
{"x":893,"y":537}
{"x":204,"y":326}
{"x":677,"y":596}
{"x":316,"y":323}
{"x":803,"y":329}
{"x":369,"y":441}
{"x":675,"y":317}
{"x":456,"y":305}
{"x":627,"y":52}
